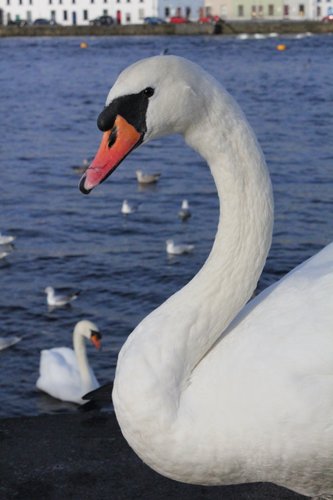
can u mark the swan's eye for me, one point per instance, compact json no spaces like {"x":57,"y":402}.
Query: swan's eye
{"x":149,"y":91}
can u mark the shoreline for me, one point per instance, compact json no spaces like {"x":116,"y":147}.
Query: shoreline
{"x":83,"y":455}
{"x":191,"y":29}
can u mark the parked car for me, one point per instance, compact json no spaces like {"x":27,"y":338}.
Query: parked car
{"x":328,"y":19}
{"x":178,"y":20}
{"x":208,"y":19}
{"x":41,"y":22}
{"x":102,"y":21}
{"x":18,"y":22}
{"x":153,"y":20}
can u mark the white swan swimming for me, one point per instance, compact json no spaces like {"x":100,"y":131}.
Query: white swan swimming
{"x":65,"y":374}
{"x":209,"y":389}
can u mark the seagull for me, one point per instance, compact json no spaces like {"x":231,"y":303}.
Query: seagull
{"x":54,"y":300}
{"x":173,"y":249}
{"x":143,"y":178}
{"x":8,"y":341}
{"x":3,"y":255}
{"x":127,"y":208}
{"x":6,"y":239}
{"x":185,"y":212}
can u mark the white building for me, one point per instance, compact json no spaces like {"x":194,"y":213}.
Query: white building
{"x":81,"y":12}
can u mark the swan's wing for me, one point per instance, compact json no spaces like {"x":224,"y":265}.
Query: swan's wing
{"x":278,"y":349}
{"x":59,"y":374}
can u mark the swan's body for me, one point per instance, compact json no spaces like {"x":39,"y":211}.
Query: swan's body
{"x":209,"y":390}
{"x":65,"y":373}
{"x":58,"y":300}
{"x":178,"y":249}
{"x":184,"y":212}
{"x":8,"y":342}
{"x":145,"y":178}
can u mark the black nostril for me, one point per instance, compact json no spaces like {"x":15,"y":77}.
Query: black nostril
{"x":113,"y":137}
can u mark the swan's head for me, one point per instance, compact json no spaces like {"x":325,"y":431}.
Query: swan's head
{"x":153,"y":97}
{"x":88,"y":329}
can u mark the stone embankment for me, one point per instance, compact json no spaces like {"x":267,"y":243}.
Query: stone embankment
{"x":222,"y":28}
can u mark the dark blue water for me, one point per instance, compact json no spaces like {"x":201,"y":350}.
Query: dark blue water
{"x":51,"y":92}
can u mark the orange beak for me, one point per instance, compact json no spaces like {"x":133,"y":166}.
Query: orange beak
{"x":116,"y":144}
{"x":96,"y":341}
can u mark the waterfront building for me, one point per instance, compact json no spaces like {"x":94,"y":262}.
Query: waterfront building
{"x":269,"y":10}
{"x":82,"y":12}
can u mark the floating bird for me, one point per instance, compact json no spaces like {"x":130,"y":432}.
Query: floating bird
{"x":212,"y":388}
{"x":6,"y":239}
{"x":184,"y":212}
{"x":8,"y":342}
{"x":58,"y":300}
{"x":3,"y":254}
{"x":65,"y":373}
{"x":143,"y":178}
{"x":179,"y":249}
{"x":128,"y":208}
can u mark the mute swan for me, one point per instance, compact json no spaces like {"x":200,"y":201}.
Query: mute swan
{"x":54,"y":300}
{"x":209,"y":389}
{"x":184,"y":212}
{"x":65,"y":374}
{"x":143,"y":178}
{"x":173,"y":249}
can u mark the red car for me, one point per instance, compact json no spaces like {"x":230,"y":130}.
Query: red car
{"x":328,"y":19}
{"x":178,"y":20}
{"x":208,"y":19}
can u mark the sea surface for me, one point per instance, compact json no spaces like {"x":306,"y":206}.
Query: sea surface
{"x":51,"y":92}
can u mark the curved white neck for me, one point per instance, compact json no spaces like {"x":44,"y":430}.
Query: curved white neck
{"x":81,"y":356}
{"x":159,"y":356}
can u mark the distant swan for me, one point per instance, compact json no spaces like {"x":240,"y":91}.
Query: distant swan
{"x":209,"y":389}
{"x":65,"y":374}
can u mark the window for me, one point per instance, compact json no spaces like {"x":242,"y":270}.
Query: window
{"x":167,"y":12}
{"x":271,"y":10}
{"x":65,"y":16}
{"x":128,"y":17}
{"x":254,"y":11}
{"x":73,"y":1}
{"x":30,"y":2}
{"x":92,"y":1}
{"x":20,"y":2}
{"x":240,"y":10}
{"x":85,"y":15}
{"x":60,"y":2}
{"x":261,"y":11}
{"x":301,"y":9}
{"x":50,"y":2}
{"x":141,"y":13}
{"x":286,"y":10}
{"x":8,"y":2}
{"x":187,"y":12}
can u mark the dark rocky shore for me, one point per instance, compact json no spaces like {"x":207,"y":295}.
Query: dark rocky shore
{"x":220,"y":28}
{"x":83,"y":456}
